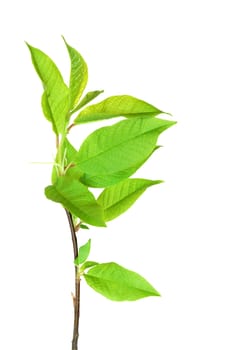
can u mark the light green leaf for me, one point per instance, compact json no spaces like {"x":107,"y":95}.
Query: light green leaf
{"x":78,"y":75}
{"x":117,"y":106}
{"x":83,"y":253}
{"x":56,"y":90}
{"x":113,"y":153}
{"x":46,"y":107}
{"x":102,"y":180}
{"x":87,"y":265}
{"x":135,"y":167}
{"x":116,"y":199}
{"x":88,"y":98}
{"x":76,"y":198}
{"x":117,"y":283}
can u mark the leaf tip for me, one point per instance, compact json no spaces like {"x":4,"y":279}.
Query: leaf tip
{"x":28,"y":45}
{"x":160,"y":182}
{"x":168,"y":114}
{"x":63,"y":38}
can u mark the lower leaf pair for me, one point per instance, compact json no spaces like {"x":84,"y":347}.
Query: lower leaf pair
{"x":112,"y":280}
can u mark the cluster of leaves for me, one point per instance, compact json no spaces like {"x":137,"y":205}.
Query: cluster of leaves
{"x":107,"y":159}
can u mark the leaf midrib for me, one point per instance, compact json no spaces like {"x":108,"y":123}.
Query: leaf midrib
{"x":122,"y":98}
{"x":115,"y":146}
{"x":82,"y":114}
{"x":119,"y":283}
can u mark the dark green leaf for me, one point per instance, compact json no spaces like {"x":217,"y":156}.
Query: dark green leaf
{"x":116,"y":106}
{"x":83,"y":253}
{"x":116,"y":199}
{"x":78,"y":75}
{"x":113,"y":153}
{"x":117,"y":283}
{"x":85,"y":227}
{"x":56,"y":90}
{"x":76,"y":198}
{"x":88,"y":98}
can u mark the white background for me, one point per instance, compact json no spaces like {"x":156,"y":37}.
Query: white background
{"x":178,"y":56}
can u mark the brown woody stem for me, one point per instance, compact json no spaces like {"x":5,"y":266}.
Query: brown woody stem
{"x":76,"y":297}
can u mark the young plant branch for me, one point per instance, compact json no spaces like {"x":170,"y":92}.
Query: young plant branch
{"x":106,"y":159}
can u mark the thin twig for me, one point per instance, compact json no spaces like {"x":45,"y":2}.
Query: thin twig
{"x":70,"y":127}
{"x":76,"y":297}
{"x":73,"y":233}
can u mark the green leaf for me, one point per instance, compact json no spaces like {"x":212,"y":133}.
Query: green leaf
{"x":113,"y":153}
{"x":87,"y":265}
{"x":135,"y":167}
{"x":56,"y":90}
{"x":84,"y":227}
{"x":116,"y":106}
{"x":46,"y":107}
{"x":88,"y":98}
{"x":117,"y":283}
{"x":78,"y":75}
{"x":116,"y":199}
{"x":47,"y":111}
{"x":76,"y":198}
{"x":83,"y":253}
{"x":95,"y":181}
